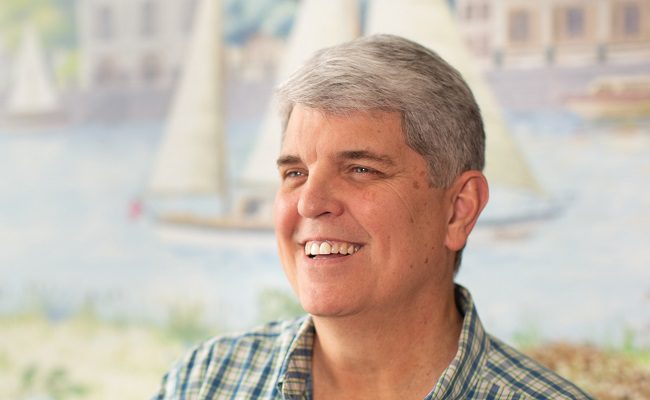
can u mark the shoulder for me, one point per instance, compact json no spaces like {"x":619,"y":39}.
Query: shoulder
{"x":231,"y":364}
{"x":515,"y":375}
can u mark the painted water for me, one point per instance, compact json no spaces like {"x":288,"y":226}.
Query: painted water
{"x":69,"y":236}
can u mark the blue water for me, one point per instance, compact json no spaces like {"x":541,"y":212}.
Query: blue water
{"x":66,"y":237}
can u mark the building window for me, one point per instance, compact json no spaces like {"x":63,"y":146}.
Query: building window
{"x":187,"y":17}
{"x":575,"y":22}
{"x":106,"y":73}
{"x":631,"y":19}
{"x":104,"y":22}
{"x":519,"y":26}
{"x":485,"y":11}
{"x":150,"y":68}
{"x":148,"y":18}
{"x":627,"y":20}
{"x":469,"y":10}
{"x":479,"y":11}
{"x":484,"y":46}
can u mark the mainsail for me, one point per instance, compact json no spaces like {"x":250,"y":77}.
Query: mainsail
{"x":192,"y":157}
{"x":318,"y":24}
{"x":32,"y":92}
{"x":430,"y":23}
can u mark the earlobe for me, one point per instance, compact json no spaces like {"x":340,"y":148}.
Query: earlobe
{"x":469,"y":195}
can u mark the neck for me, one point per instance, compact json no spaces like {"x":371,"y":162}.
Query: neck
{"x":388,"y":353}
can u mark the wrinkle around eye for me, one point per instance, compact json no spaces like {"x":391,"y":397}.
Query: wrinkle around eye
{"x":398,"y":192}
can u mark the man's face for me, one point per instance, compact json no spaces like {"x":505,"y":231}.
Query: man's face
{"x":352,"y":186}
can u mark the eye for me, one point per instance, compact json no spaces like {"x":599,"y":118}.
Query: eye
{"x":362,"y":173}
{"x":293,"y":173}
{"x":361,"y":170}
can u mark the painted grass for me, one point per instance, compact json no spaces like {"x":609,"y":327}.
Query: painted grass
{"x":608,"y":374}
{"x":84,"y":357}
{"x":81,"y":358}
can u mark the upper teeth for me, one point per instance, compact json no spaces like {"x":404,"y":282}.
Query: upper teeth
{"x":319,"y":248}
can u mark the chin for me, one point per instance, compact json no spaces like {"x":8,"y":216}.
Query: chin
{"x":326,"y":310}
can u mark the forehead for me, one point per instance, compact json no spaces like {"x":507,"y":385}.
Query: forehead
{"x":363,"y":129}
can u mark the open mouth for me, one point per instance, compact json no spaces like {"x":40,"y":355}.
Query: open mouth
{"x":329,"y":248}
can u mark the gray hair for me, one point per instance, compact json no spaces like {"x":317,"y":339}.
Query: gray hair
{"x":440,"y":117}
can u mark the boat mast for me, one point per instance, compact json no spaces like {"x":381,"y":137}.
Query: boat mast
{"x":193,"y":156}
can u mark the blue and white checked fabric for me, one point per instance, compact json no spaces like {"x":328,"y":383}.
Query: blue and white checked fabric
{"x":274,"y":362}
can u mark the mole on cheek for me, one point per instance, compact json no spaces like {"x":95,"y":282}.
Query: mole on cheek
{"x":416,"y":185}
{"x":426,"y":260}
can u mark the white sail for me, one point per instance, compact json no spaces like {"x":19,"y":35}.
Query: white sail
{"x":192,"y":157}
{"x":318,"y":24}
{"x":430,"y":23}
{"x":31,"y":91}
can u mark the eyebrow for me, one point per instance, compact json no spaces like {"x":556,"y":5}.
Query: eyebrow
{"x":344,"y":155}
{"x":366,"y":155}
{"x":288,"y":160}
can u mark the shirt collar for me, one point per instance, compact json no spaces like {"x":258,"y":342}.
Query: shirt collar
{"x":293,"y":382}
{"x":454,"y":383}
{"x":473,"y":345}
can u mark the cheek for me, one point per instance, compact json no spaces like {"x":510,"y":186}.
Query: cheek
{"x":384,"y":217}
{"x":284,"y":212}
{"x":404,"y":219}
{"x":285,"y":217}
{"x":369,"y":197}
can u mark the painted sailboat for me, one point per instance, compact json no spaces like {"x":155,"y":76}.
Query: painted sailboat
{"x":32,"y":95}
{"x":318,"y":24}
{"x":614,"y":97}
{"x":191,"y":168}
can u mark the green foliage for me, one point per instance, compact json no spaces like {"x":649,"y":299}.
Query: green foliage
{"x":53,"y":19}
{"x":631,"y":349}
{"x":5,"y":361}
{"x":68,"y":71}
{"x":529,"y":335}
{"x":277,"y":304}
{"x":628,"y":345}
{"x":185,"y":323}
{"x":54,"y":382}
{"x":28,"y":378}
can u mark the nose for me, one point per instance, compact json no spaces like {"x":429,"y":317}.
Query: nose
{"x":319,"y":196}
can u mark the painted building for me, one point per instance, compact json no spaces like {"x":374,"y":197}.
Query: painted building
{"x":523,"y":33}
{"x":132,"y":43}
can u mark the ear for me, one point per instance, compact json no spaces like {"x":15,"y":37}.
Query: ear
{"x":468,"y":196}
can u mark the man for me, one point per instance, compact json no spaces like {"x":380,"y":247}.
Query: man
{"x":381,"y":184}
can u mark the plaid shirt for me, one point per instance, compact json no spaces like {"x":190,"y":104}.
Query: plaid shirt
{"x":274,"y":362}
